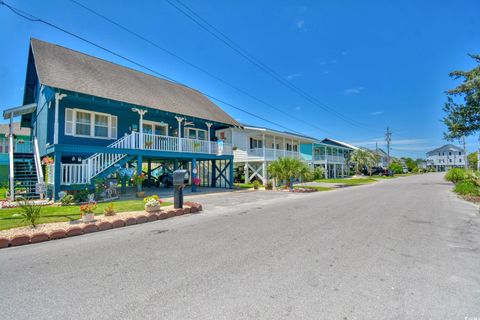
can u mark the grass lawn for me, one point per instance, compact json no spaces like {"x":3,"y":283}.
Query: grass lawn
{"x":9,"y":217}
{"x":318,"y":188}
{"x":243,"y":185}
{"x":348,"y":181}
{"x":384,"y":177}
{"x":3,"y":192}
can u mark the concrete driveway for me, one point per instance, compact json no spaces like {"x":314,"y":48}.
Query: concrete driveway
{"x":400,"y":249}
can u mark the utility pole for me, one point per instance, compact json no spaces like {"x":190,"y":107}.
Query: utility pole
{"x":388,"y":139}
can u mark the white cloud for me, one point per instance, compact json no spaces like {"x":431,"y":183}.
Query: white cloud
{"x":298,"y":108}
{"x":294,"y":75}
{"x":352,"y":91}
{"x":333,"y":61}
{"x":344,"y":53}
{"x":376,"y":113}
{"x":323,"y":63}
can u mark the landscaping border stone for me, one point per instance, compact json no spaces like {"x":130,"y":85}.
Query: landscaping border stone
{"x":39,"y":237}
{"x":19,"y":240}
{"x":23,"y":239}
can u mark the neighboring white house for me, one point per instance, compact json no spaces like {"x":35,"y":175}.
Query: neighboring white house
{"x":446,"y":157}
{"x":254,"y":147}
{"x":332,"y":156}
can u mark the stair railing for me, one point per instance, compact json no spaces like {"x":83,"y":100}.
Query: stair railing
{"x":38,"y":162}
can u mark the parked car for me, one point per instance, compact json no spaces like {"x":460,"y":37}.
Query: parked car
{"x":386,"y":172}
{"x":375,"y":171}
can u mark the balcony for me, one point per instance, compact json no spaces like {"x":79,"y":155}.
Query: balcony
{"x":272,"y":154}
{"x":329,"y":158}
{"x":156,"y":142}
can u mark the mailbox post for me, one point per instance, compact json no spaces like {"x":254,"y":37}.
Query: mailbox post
{"x":180,"y":179}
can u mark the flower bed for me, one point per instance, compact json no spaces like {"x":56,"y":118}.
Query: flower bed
{"x":51,"y":231}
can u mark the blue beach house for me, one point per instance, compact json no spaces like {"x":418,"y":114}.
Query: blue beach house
{"x":91,"y":117}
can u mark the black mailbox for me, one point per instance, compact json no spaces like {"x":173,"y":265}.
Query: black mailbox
{"x":180,"y":179}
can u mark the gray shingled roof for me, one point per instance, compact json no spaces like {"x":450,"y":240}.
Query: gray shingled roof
{"x":63,"y":68}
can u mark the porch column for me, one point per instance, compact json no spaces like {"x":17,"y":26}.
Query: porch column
{"x":313,"y":155}
{"x":274,"y":149}
{"x":139,"y":165}
{"x":58,"y":97}
{"x":194,"y":174}
{"x":284,"y":147}
{"x":209,"y":124}
{"x":10,"y":159}
{"x":214,"y":176}
{"x":179,"y":120}
{"x":149,"y":170}
{"x":245,"y":172}
{"x":57,"y":158}
{"x":263,"y":145}
{"x":335,"y":170}
{"x":264,"y":172}
{"x":231,"y":173}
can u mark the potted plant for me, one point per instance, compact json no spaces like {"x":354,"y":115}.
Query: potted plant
{"x":153,"y":204}
{"x":148,"y":144}
{"x":87,"y":211}
{"x":256,"y":184}
{"x":138,"y":181}
{"x":269,"y":185}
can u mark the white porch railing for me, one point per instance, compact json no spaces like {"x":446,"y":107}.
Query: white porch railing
{"x":82,"y":173}
{"x":329,"y":158}
{"x":273,"y":154}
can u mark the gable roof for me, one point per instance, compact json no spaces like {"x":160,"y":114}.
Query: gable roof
{"x":67,"y":69}
{"x":284,"y":133}
{"x":447,"y":147}
{"x":339,"y":143}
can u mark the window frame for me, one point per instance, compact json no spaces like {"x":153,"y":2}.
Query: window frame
{"x":197,"y":130}
{"x":112,"y":124}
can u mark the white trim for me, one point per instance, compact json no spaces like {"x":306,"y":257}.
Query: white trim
{"x":155,"y":123}
{"x":92,"y":124}
{"x":187,"y":133}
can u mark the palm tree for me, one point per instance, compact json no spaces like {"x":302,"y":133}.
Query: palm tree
{"x":360,"y":158}
{"x":288,"y":169}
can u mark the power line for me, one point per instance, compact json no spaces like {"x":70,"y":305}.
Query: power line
{"x":171,"y":53}
{"x":201,"y":22}
{"x":33,"y":18}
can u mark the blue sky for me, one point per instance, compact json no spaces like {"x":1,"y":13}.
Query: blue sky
{"x":378,"y":63}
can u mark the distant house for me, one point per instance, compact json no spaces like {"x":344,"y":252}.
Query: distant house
{"x":255,"y":147}
{"x":446,"y":157}
{"x":93,"y":117}
{"x":383,"y":157}
{"x":330,"y":154}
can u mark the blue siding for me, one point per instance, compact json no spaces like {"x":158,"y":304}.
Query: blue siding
{"x":43,"y":121}
{"x":306,"y":151}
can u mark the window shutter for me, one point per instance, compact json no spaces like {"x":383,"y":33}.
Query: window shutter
{"x":68,"y":121}
{"x":113,"y":127}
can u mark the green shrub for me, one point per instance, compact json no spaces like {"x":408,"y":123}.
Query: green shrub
{"x":396,"y":168}
{"x":66,"y":200}
{"x":318,"y":173}
{"x":31,"y":212}
{"x":465,"y":188}
{"x":456,"y":175}
{"x":256,"y":184}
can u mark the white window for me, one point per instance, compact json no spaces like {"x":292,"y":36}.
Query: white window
{"x":255,"y":143}
{"x":193,"y":133}
{"x":83,"y":123}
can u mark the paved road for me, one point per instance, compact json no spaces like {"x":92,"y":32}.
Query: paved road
{"x":401,"y":249}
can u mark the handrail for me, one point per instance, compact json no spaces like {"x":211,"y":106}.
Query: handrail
{"x":38,"y":162}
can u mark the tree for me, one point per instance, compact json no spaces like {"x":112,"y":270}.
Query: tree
{"x":463,"y":118}
{"x":411,"y":164}
{"x":360,"y":158}
{"x":473,"y":160}
{"x":287,"y":169}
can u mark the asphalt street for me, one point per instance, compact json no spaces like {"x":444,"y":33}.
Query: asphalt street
{"x":406,"y":248}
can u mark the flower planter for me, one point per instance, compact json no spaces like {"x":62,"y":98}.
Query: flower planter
{"x":151,"y":209}
{"x":88,"y":217}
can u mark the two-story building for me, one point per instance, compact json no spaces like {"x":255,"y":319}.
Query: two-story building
{"x":93,"y":116}
{"x":255,"y":147}
{"x":330,"y":154}
{"x":446,"y":157}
